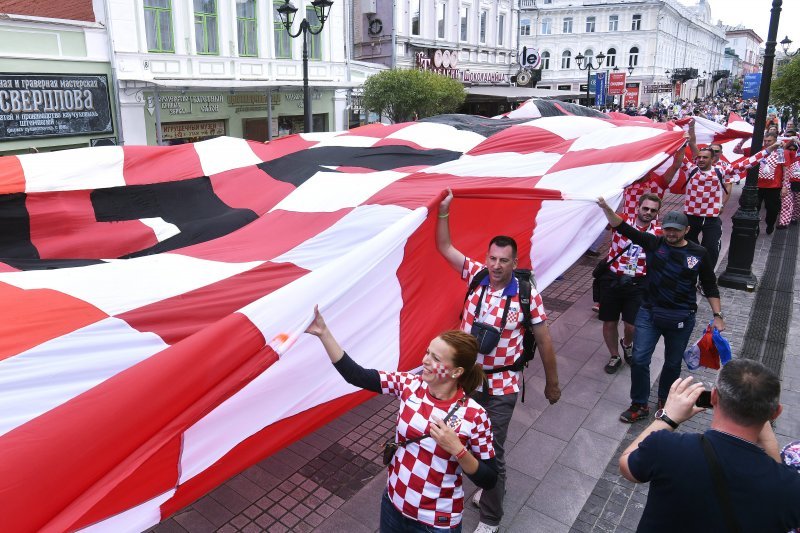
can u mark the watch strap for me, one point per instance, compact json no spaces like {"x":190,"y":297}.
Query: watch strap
{"x":662,"y":415}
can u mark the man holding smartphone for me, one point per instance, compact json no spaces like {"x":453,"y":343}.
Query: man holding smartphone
{"x":731,"y":478}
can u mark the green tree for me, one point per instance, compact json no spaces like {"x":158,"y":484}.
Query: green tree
{"x":400,"y":94}
{"x":785,"y":89}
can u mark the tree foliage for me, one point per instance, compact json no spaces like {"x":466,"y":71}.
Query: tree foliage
{"x":785,"y":89}
{"x":400,"y":94}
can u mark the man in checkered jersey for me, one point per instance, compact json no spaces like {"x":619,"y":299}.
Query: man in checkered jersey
{"x":622,"y":286}
{"x":707,"y":188}
{"x":499,"y":395}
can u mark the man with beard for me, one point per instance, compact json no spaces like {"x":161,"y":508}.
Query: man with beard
{"x":621,"y":287}
{"x":669,"y":303}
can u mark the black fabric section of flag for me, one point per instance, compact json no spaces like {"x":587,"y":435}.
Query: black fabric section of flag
{"x":298,"y":167}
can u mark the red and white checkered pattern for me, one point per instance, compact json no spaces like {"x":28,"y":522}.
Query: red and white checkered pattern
{"x":634,"y":254}
{"x":770,"y":172}
{"x":704,"y":192}
{"x":630,"y":199}
{"x":425,"y":481}
{"x":510,"y":345}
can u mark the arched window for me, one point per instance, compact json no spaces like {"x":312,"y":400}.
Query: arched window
{"x":633,"y":56}
{"x":566,"y":59}
{"x":545,"y":60}
{"x":611,"y":57}
{"x":588,"y":56}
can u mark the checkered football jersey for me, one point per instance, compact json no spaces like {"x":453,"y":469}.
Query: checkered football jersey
{"x":630,"y":199}
{"x":704,"y":193}
{"x":424,"y":480}
{"x":633,"y":261}
{"x":770,"y":172}
{"x":510,"y":345}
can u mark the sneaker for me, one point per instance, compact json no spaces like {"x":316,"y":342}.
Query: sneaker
{"x":486,"y":528}
{"x":596,"y":308}
{"x":635,"y":413}
{"x":627,"y":352}
{"x":476,"y":498}
{"x":613,"y":364}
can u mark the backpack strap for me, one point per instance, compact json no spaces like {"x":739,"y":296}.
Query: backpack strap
{"x":476,"y":280}
{"x":721,"y":179}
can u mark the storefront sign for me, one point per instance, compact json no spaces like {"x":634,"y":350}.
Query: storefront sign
{"x":616,"y":83}
{"x":185,"y":104}
{"x":183,"y":130}
{"x":444,"y":63}
{"x":658,"y":88}
{"x":565,"y":88}
{"x":46,"y":105}
{"x":530,"y":58}
{"x":631,"y":94}
{"x":600,"y":88}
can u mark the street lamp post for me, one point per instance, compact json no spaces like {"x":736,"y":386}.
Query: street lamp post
{"x":738,"y":273}
{"x":287,"y":12}
{"x":589,"y":68}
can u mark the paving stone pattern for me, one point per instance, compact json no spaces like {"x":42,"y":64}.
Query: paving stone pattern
{"x":561,"y":459}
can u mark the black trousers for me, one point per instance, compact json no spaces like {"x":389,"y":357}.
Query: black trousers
{"x":711,"y":228}
{"x":771,"y":198}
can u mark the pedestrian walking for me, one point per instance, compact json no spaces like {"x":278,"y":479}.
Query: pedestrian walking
{"x":770,"y":180}
{"x":790,"y":191}
{"x":669,"y":303}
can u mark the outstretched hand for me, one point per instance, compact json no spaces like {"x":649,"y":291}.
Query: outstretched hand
{"x":317,"y":326}
{"x":444,"y":206}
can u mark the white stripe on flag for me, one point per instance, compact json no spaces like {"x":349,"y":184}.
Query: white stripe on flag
{"x":68,"y":170}
{"x":432,"y":135}
{"x":163,"y":229}
{"x":599,"y":140}
{"x":135,"y":519}
{"x":570,"y":127}
{"x":224,"y":153}
{"x":498,"y":165}
{"x":586,"y":182}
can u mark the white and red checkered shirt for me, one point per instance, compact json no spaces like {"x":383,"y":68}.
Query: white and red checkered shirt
{"x":633,"y":261}
{"x":510,"y":346}
{"x":770,"y":172}
{"x":704,"y":194}
{"x":634,"y":191}
{"x":424,"y":480}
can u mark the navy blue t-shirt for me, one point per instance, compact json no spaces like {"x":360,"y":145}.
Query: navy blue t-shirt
{"x":765,"y":494}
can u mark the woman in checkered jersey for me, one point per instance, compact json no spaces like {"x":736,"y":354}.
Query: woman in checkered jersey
{"x":424,"y":490}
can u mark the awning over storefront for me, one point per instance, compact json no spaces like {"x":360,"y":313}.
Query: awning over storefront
{"x":517,"y":94}
{"x":245,"y":84}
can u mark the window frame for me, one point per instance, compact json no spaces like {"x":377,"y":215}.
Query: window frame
{"x":525,"y":29}
{"x":547,"y":26}
{"x":501,"y":29}
{"x":636,"y":22}
{"x":463,"y":23}
{"x":157,"y":11}
{"x":615,"y":20}
{"x":545,"y":60}
{"x":277,"y":30}
{"x":441,"y":23}
{"x":415,"y":15}
{"x":314,"y":41}
{"x":633,"y":58}
{"x":244,"y":20}
{"x":566,"y":54}
{"x":591,"y":19}
{"x":566,"y":20}
{"x":483,"y":23}
{"x":611,"y":58}
{"x":205,"y":16}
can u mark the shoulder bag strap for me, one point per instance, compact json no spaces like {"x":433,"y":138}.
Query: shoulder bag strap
{"x":723,"y":496}
{"x":446,"y":418}
{"x":608,"y":263}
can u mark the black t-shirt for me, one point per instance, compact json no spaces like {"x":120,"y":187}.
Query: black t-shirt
{"x":765,"y":494}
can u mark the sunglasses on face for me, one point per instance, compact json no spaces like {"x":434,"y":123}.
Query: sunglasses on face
{"x":649,"y":209}
{"x":716,"y":151}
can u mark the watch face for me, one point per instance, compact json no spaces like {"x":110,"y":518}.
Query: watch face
{"x":660,"y":413}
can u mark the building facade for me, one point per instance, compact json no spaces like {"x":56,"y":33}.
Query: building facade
{"x":473,"y":41}
{"x":56,"y":89}
{"x":746,"y":44}
{"x":656,"y":37}
{"x":194,"y":69}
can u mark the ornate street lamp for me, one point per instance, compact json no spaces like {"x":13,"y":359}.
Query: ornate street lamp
{"x":785,"y":44}
{"x":738,"y":274}
{"x":287,"y":12}
{"x":589,"y":67}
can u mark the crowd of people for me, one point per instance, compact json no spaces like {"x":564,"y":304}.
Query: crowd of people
{"x":454,"y":416}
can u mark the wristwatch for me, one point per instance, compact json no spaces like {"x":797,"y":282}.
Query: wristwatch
{"x":662,"y":415}
{"x":720,"y":315}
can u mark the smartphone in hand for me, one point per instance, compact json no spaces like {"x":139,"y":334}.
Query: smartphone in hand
{"x":704,"y":400}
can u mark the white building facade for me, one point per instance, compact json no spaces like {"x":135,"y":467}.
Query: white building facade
{"x":652,"y":36}
{"x":746,"y":44}
{"x":194,"y":69}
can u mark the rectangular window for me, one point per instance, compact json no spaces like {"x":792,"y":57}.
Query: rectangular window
{"x":547,"y":26}
{"x":415,"y":17}
{"x":613,"y":23}
{"x":567,"y":28}
{"x":205,"y":27}
{"x":636,"y":23}
{"x":441,"y":20}
{"x":314,"y":41}
{"x":590,"y":21}
{"x":525,"y":27}
{"x":501,"y":29}
{"x":283,"y":46}
{"x":246,"y":27}
{"x":484,"y":16}
{"x":464,"y":22}
{"x":158,"y":25}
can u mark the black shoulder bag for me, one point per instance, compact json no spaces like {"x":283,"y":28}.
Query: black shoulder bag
{"x":723,"y":496}
{"x":390,"y":446}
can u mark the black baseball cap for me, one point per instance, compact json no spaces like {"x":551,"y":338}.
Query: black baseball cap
{"x":676,"y":220}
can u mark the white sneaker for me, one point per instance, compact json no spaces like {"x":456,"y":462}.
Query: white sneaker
{"x":486,"y":528}
{"x":476,"y":498}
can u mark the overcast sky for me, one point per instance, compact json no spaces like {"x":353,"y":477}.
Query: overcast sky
{"x":755,"y":14}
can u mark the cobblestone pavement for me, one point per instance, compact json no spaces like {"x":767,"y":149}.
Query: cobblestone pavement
{"x":561,"y":459}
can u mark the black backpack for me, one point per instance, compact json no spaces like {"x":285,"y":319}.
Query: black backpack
{"x":525,"y":280}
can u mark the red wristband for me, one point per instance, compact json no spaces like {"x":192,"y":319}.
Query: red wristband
{"x":461,"y":454}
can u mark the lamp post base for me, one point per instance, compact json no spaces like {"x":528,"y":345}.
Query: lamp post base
{"x":738,"y":274}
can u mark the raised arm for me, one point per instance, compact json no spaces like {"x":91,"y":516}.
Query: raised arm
{"x":693,"y":139}
{"x":648,"y":241}
{"x":443,"y":242}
